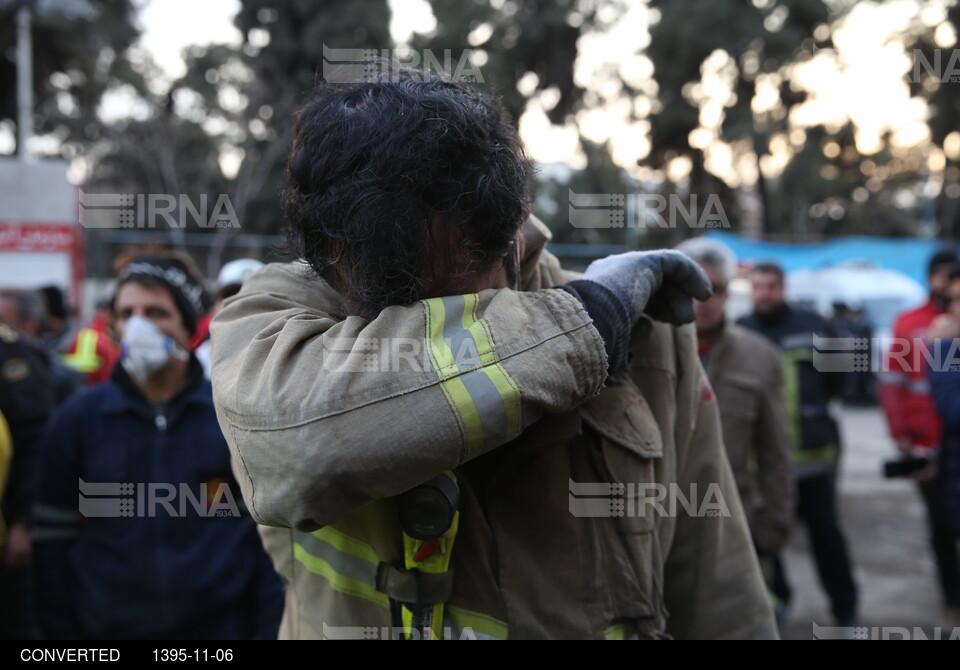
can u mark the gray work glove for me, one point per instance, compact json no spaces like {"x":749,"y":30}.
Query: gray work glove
{"x":659,"y":283}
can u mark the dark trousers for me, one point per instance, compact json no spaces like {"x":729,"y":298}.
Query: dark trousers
{"x":942,"y":540}
{"x":816,"y":504}
{"x":17,"y":611}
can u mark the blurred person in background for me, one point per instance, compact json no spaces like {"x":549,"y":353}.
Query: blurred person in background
{"x":814,"y":434}
{"x":945,"y":390}
{"x":183,"y":561}
{"x":26,"y":402}
{"x":746,"y":372}
{"x":25,"y":311}
{"x":864,"y":391}
{"x":849,"y":320}
{"x":56,"y":328}
{"x":90,"y":351}
{"x":913,"y":419}
{"x":231,"y":278}
{"x":93,"y":351}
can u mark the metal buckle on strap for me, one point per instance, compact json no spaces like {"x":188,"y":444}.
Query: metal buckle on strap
{"x":414,"y":586}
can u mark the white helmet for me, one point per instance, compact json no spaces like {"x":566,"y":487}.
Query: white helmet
{"x":236,"y":272}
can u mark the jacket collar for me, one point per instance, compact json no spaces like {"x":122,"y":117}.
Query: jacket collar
{"x":535,"y":237}
{"x":776,"y":317}
{"x":716,"y":353}
{"x":126,"y":396}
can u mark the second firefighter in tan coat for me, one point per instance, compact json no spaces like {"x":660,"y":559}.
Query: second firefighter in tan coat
{"x":746,"y":372}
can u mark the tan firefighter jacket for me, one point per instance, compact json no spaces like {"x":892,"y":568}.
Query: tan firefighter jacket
{"x":590,"y":506}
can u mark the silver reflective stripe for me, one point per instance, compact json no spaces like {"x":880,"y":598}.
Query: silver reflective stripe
{"x":489,"y":402}
{"x":918,"y":386}
{"x":798,"y":341}
{"x":462,"y":346}
{"x":58,"y":515}
{"x":342,"y":562}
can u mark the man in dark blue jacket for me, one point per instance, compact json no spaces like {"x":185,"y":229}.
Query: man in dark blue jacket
{"x":140,"y":527}
{"x":816,"y":439}
{"x":945,"y":389}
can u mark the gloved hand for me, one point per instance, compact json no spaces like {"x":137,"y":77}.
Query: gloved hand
{"x":659,"y":283}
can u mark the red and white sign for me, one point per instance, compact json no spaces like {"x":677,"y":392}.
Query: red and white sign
{"x":40,"y":241}
{"x":37,"y":237}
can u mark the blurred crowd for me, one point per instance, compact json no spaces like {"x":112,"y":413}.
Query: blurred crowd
{"x":780,"y":420}
{"x":121,"y":516}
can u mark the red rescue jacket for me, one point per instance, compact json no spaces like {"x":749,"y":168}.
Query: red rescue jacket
{"x":904,"y":389}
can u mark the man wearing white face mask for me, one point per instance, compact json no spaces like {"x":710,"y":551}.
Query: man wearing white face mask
{"x":157,"y":543}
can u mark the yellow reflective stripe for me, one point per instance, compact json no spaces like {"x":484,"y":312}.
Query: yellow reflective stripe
{"x":791,"y":386}
{"x":347,"y":563}
{"x":442,"y":359}
{"x":827,"y":453}
{"x":85,"y":358}
{"x":440,"y":354}
{"x":346,"y":585}
{"x":79,"y":364}
{"x":348,"y":544}
{"x":482,"y":625}
{"x":406,"y":620}
{"x":483,"y":397}
{"x":791,"y":392}
{"x":436,"y":622}
{"x":87,"y":342}
{"x":478,"y":329}
{"x":468,"y":417}
{"x":620,"y":631}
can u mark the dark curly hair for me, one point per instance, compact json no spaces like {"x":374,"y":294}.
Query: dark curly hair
{"x":400,"y":187}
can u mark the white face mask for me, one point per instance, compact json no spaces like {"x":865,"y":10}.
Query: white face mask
{"x":145,"y":350}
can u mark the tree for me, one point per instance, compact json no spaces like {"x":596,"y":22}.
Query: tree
{"x":283,"y":45}
{"x":943,"y":92}
{"x":80,"y":50}
{"x":760,"y":38}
